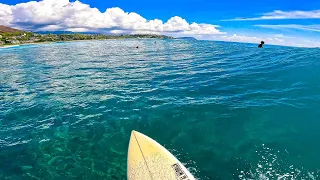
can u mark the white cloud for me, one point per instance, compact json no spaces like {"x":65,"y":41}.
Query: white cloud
{"x":315,"y":28}
{"x":277,"y":14}
{"x":5,"y":14}
{"x":53,"y":15}
{"x":117,"y":31}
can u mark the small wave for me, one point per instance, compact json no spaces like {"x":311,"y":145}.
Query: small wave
{"x":272,"y":165}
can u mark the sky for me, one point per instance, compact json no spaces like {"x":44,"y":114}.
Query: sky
{"x":279,"y":22}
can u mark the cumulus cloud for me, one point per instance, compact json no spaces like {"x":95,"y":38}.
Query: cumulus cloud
{"x":53,"y":15}
{"x":278,"y":14}
{"x":315,"y":28}
{"x":5,"y":14}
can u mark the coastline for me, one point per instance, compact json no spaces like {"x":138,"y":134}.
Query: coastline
{"x":50,"y":42}
{"x":8,"y":40}
{"x":22,"y":44}
{"x":8,"y":46}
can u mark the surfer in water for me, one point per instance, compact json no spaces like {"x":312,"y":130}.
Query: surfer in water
{"x":261,"y":45}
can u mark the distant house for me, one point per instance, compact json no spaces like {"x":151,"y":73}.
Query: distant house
{"x":21,"y":36}
{"x":12,"y":41}
{"x":15,"y":42}
{"x":34,"y":39}
{"x":1,"y":43}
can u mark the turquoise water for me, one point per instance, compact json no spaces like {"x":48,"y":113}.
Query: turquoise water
{"x":226,"y":110}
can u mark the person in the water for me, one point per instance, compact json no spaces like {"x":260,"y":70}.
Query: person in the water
{"x":261,"y":45}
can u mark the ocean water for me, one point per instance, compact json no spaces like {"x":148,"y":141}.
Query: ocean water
{"x":226,"y":110}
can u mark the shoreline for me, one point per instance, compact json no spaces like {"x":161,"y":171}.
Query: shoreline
{"x":35,"y":43}
{"x":50,"y":42}
{"x":8,"y":46}
{"x":22,"y":44}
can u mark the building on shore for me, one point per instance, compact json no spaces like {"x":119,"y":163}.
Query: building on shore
{"x":12,"y":41}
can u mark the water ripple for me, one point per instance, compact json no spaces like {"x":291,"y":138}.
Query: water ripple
{"x":67,"y":109}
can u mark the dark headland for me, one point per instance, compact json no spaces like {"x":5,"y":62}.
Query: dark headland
{"x":187,"y":38}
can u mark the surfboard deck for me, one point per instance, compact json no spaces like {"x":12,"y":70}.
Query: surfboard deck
{"x":148,"y":160}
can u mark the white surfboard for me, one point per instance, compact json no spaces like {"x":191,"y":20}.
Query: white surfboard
{"x":148,"y":160}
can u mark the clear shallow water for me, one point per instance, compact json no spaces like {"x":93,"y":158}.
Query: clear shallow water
{"x":226,"y":110}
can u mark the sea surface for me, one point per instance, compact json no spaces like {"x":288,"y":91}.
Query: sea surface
{"x":226,"y":110}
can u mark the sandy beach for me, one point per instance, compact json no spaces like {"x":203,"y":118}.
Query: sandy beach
{"x":8,"y":46}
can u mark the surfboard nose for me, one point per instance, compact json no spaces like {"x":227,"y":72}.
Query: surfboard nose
{"x":133,"y":132}
{"x":137,"y":134}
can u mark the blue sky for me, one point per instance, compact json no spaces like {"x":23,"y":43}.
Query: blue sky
{"x":294,"y":22}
